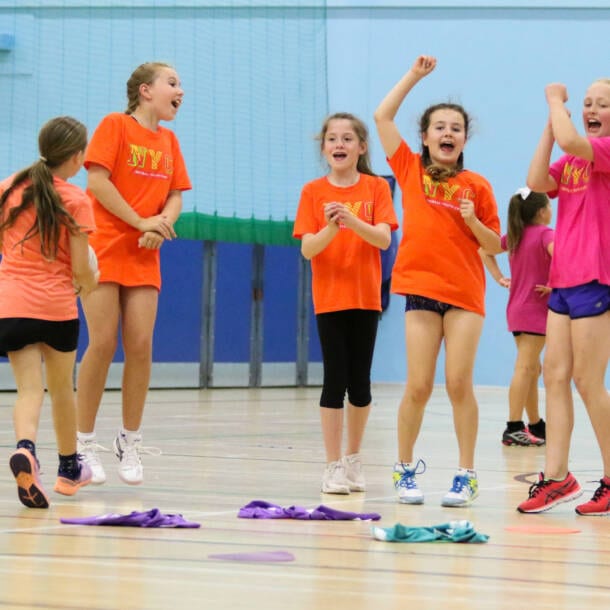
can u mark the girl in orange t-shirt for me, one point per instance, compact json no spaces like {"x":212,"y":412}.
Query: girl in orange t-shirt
{"x":343,"y":221}
{"x":449,"y":212}
{"x":44,"y":227}
{"x":136,"y":178}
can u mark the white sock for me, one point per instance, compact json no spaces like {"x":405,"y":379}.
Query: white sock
{"x":131,"y":435}
{"x":467,"y":472}
{"x":83,"y":437}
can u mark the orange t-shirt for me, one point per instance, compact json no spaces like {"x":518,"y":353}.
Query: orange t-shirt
{"x":438,"y":254}
{"x":30,"y":285}
{"x":347,"y":273}
{"x":144,"y":166}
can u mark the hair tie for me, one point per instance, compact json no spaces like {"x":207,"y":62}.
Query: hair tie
{"x":524,"y":192}
{"x":43,"y":159}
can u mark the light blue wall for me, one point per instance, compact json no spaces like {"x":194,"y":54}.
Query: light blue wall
{"x":496,"y":63}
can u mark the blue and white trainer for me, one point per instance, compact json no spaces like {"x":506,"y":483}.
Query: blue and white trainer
{"x":405,"y":483}
{"x":464,"y":490}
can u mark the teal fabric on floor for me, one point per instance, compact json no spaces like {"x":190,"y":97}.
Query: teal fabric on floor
{"x":453,"y":531}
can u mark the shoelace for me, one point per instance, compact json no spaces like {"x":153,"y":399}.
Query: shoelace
{"x":459,"y":482}
{"x":536,"y":488}
{"x":601,"y":491}
{"x":130,"y":455}
{"x":142,"y":450}
{"x":407,"y":478}
{"x":88,"y":446}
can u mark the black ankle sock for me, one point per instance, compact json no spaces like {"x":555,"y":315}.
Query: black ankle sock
{"x":69,"y":466}
{"x":538,"y":429}
{"x":24,"y":443}
{"x":514,"y":426}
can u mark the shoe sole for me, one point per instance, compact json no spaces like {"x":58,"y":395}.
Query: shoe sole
{"x":518,"y":444}
{"x":414,"y":501}
{"x":356,"y":487}
{"x":542,"y":509}
{"x":343,"y":491}
{"x":67,"y":487}
{"x":602,"y":514}
{"x":31,"y":493}
{"x":128,"y":482}
{"x":448,"y":504}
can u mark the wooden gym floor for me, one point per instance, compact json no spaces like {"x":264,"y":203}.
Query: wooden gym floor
{"x":224,"y":448}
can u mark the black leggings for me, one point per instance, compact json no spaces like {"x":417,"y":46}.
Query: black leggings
{"x":347,"y":339}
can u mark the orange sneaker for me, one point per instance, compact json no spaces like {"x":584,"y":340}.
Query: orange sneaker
{"x":25,"y":470}
{"x":68,"y":487}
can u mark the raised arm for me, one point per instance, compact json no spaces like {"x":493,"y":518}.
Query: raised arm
{"x":566,"y":136}
{"x":386,"y":111}
{"x":538,"y":177}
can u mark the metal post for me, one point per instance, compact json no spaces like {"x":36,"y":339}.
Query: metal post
{"x":303,"y":304}
{"x":256,"y":317}
{"x":208,"y":315}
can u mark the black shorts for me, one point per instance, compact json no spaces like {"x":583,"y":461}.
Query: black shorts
{"x":16,"y":333}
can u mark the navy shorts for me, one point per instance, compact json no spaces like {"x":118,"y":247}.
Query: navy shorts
{"x":414,"y":302}
{"x":16,"y":333}
{"x":584,"y":301}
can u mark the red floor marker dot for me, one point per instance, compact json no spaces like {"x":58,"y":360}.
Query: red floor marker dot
{"x":541,"y":529}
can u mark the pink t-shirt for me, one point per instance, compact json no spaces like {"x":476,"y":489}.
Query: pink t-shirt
{"x":30,"y":285}
{"x":529,"y":266}
{"x":582,"y":234}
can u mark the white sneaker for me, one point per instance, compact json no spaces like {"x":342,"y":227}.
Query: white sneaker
{"x":405,"y":484}
{"x":353,"y":472}
{"x":88,"y":449}
{"x":334,"y":481}
{"x":130,"y":468}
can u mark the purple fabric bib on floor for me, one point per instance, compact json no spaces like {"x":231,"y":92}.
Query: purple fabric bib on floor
{"x":150,"y":518}
{"x":260,"y":509}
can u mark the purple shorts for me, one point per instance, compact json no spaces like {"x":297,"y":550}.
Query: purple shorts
{"x":584,"y":301}
{"x":414,"y":302}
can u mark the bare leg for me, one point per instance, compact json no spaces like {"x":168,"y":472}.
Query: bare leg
{"x":27,"y":370}
{"x":59,"y":367}
{"x":138,"y":314}
{"x":332,"y":432}
{"x":591,"y":348}
{"x":101,"y":309}
{"x":523,"y":389}
{"x":462,"y":333}
{"x":423,"y":333}
{"x":557,"y":371}
{"x":532,"y":402}
{"x":356,"y":424}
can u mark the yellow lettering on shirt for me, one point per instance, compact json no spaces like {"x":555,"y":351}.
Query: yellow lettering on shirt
{"x":449,"y":190}
{"x":575,"y":177}
{"x":150,"y":160}
{"x":137,"y":155}
{"x":354,"y":208}
{"x":155,"y":157}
